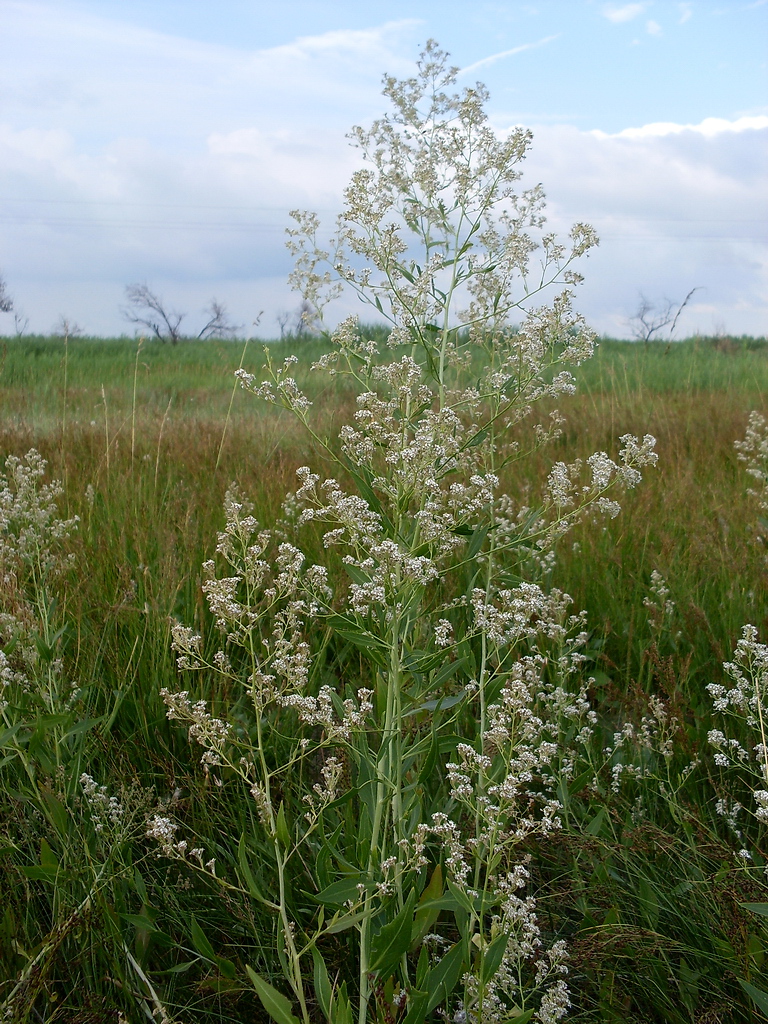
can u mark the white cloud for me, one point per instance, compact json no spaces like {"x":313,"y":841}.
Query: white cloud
{"x":686,"y":12}
{"x":709,"y":127}
{"x":653,"y":28}
{"x":126,"y":155}
{"x":508,"y":53}
{"x":618,"y":15}
{"x":676,"y":206}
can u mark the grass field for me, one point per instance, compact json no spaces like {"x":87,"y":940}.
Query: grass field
{"x":645,"y":885}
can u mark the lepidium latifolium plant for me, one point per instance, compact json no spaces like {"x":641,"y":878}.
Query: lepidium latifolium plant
{"x":743,"y":698}
{"x":403,"y":715}
{"x":67,"y":840}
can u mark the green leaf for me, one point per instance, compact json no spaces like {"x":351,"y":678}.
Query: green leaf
{"x":80,"y":727}
{"x":394,"y":940}
{"x":443,"y":977}
{"x":180,"y":968}
{"x":140,"y":921}
{"x":446,"y":902}
{"x":356,"y":574}
{"x":758,"y":997}
{"x":202,"y":945}
{"x":426,"y":917}
{"x":649,"y":901}
{"x":761,"y":909}
{"x":492,"y":958}
{"x":226,"y":967}
{"x":341,"y":1010}
{"x":520,"y":1017}
{"x":8,"y":734}
{"x":139,"y":886}
{"x":35,"y":873}
{"x":57,"y":813}
{"x":281,"y":826}
{"x":460,"y":896}
{"x":417,"y":1006}
{"x":476,"y":542}
{"x":274,"y":1002}
{"x":422,"y":967}
{"x":429,"y":762}
{"x":576,"y":785}
{"x":358,"y":636}
{"x":439,"y":702}
{"x":323,"y":990}
{"x":245,"y":871}
{"x":340,"y":891}
{"x":479,"y":437}
{"x":448,"y":671}
{"x":595,"y":826}
{"x":48,"y":868}
{"x":340,"y":924}
{"x":48,"y":858}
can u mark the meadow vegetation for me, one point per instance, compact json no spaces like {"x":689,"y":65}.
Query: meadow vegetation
{"x":452,"y":737}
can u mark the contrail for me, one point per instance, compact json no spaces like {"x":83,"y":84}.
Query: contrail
{"x":508,"y":53}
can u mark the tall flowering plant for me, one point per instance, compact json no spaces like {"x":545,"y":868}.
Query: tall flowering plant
{"x":394,"y":790}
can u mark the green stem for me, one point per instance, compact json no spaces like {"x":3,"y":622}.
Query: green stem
{"x":295,"y":979}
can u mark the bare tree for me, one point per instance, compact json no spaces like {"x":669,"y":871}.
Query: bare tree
{"x":651,"y":317}
{"x":66,"y":328}
{"x":148,"y":309}
{"x":6,"y":302}
{"x":20,"y":322}
{"x":302,"y":318}
{"x":282,"y":321}
{"x":219,"y":324}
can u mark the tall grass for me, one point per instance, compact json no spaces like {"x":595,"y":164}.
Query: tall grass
{"x":147,"y":526}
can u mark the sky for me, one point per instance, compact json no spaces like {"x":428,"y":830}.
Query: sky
{"x":165,"y":142}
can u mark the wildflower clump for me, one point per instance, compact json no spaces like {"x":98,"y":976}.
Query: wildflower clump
{"x":407,"y":715}
{"x":753,"y":452}
{"x":32,"y":558}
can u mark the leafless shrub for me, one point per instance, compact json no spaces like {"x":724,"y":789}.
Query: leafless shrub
{"x":219,"y":324}
{"x":147,"y":309}
{"x":20,"y":323}
{"x":652,"y":317}
{"x":66,"y":328}
{"x":6,"y":302}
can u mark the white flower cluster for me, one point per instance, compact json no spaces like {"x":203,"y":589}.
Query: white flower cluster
{"x":525,"y":611}
{"x":516,"y":918}
{"x":656,"y":733}
{"x":31,"y":538}
{"x":351,"y":516}
{"x":753,"y":451}
{"x":29,"y":518}
{"x":325,"y":792}
{"x":571,"y":500}
{"x":262,"y":608}
{"x":211,"y":733}
{"x":746,"y":702}
{"x":749,"y":672}
{"x":163,"y":831}
{"x":321,"y":710}
{"x":508,"y":785}
{"x":106,"y":811}
{"x":281,"y":388}
{"x":659,"y":606}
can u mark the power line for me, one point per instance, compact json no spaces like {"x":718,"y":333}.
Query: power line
{"x":159,"y":206}
{"x":287,"y":209}
{"x":152,"y":224}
